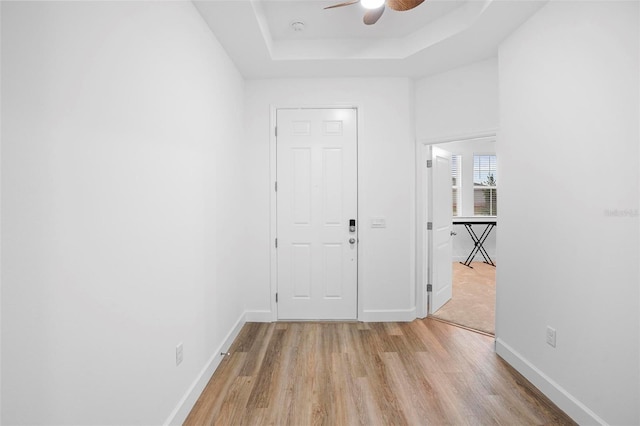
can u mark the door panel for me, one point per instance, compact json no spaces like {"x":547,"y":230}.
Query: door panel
{"x":301,"y":263}
{"x":333,"y":258}
{"x":442,"y":218}
{"x":317,"y":195}
{"x":332,"y":173}
{"x":301,"y":184}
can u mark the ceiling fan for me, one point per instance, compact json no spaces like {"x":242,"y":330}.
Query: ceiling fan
{"x":375,"y":8}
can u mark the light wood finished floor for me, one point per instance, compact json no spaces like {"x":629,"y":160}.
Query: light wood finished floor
{"x":420,"y":373}
{"x":473,"y":303}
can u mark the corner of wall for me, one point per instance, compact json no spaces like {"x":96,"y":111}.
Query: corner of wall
{"x":182,"y":410}
{"x":258,"y":316}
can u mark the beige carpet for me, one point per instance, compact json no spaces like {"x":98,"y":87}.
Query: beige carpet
{"x":474,"y":298}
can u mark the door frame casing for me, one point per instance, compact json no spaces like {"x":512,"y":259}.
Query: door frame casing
{"x":423,"y":200}
{"x":273,"y":213}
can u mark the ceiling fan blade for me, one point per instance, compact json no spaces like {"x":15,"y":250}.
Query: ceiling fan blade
{"x":347,"y":3}
{"x":372,"y":16}
{"x":402,"y":5}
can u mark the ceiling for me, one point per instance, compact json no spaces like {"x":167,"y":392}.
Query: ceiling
{"x":434,"y":37}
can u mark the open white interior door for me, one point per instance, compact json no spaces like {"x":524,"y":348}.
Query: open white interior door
{"x":440,"y":235}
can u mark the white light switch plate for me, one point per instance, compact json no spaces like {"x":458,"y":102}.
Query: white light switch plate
{"x":378,"y":222}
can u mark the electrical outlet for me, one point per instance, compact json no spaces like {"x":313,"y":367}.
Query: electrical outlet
{"x":551,"y":336}
{"x":179,"y":354}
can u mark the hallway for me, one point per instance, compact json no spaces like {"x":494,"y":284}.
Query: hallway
{"x":421,"y":372}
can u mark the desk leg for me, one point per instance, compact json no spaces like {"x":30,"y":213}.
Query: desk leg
{"x":472,"y":234}
{"x":478,"y":245}
{"x":481,"y":248}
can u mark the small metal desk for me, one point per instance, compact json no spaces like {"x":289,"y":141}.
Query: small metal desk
{"x":477,"y":241}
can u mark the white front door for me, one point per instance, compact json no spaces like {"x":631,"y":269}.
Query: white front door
{"x":316,"y":200}
{"x":441,"y":218}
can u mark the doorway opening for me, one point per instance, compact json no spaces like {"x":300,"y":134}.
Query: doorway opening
{"x":464,"y":294}
{"x":472,"y":305}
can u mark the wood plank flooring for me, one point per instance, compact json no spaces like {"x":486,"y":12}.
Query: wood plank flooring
{"x":420,"y":373}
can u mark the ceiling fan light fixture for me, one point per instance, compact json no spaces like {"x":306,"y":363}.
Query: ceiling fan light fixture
{"x":372,"y":4}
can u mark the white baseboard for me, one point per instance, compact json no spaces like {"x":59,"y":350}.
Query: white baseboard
{"x":402,"y":315}
{"x":556,"y":393}
{"x":399,"y":315}
{"x":259,"y":316}
{"x":182,"y":410}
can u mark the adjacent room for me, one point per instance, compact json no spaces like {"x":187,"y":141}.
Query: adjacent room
{"x":246,"y":188}
{"x":474,"y":210}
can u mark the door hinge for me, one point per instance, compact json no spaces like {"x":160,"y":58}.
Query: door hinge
{"x":276,"y":243}
{"x":276,"y":297}
{"x":276,"y":186}
{"x":429,"y":287}
{"x":276,"y":131}
{"x":429,"y":226}
{"x":429,"y":164}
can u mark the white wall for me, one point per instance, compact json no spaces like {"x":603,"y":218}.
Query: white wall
{"x":0,"y":215}
{"x":457,"y":102}
{"x":386,"y":185}
{"x":119,"y":179}
{"x":569,"y":95}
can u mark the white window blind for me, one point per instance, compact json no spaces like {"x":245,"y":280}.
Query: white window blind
{"x":455,"y":183}
{"x":485,"y":191}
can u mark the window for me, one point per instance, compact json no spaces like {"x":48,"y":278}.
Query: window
{"x":485,"y":192}
{"x":455,"y":183}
